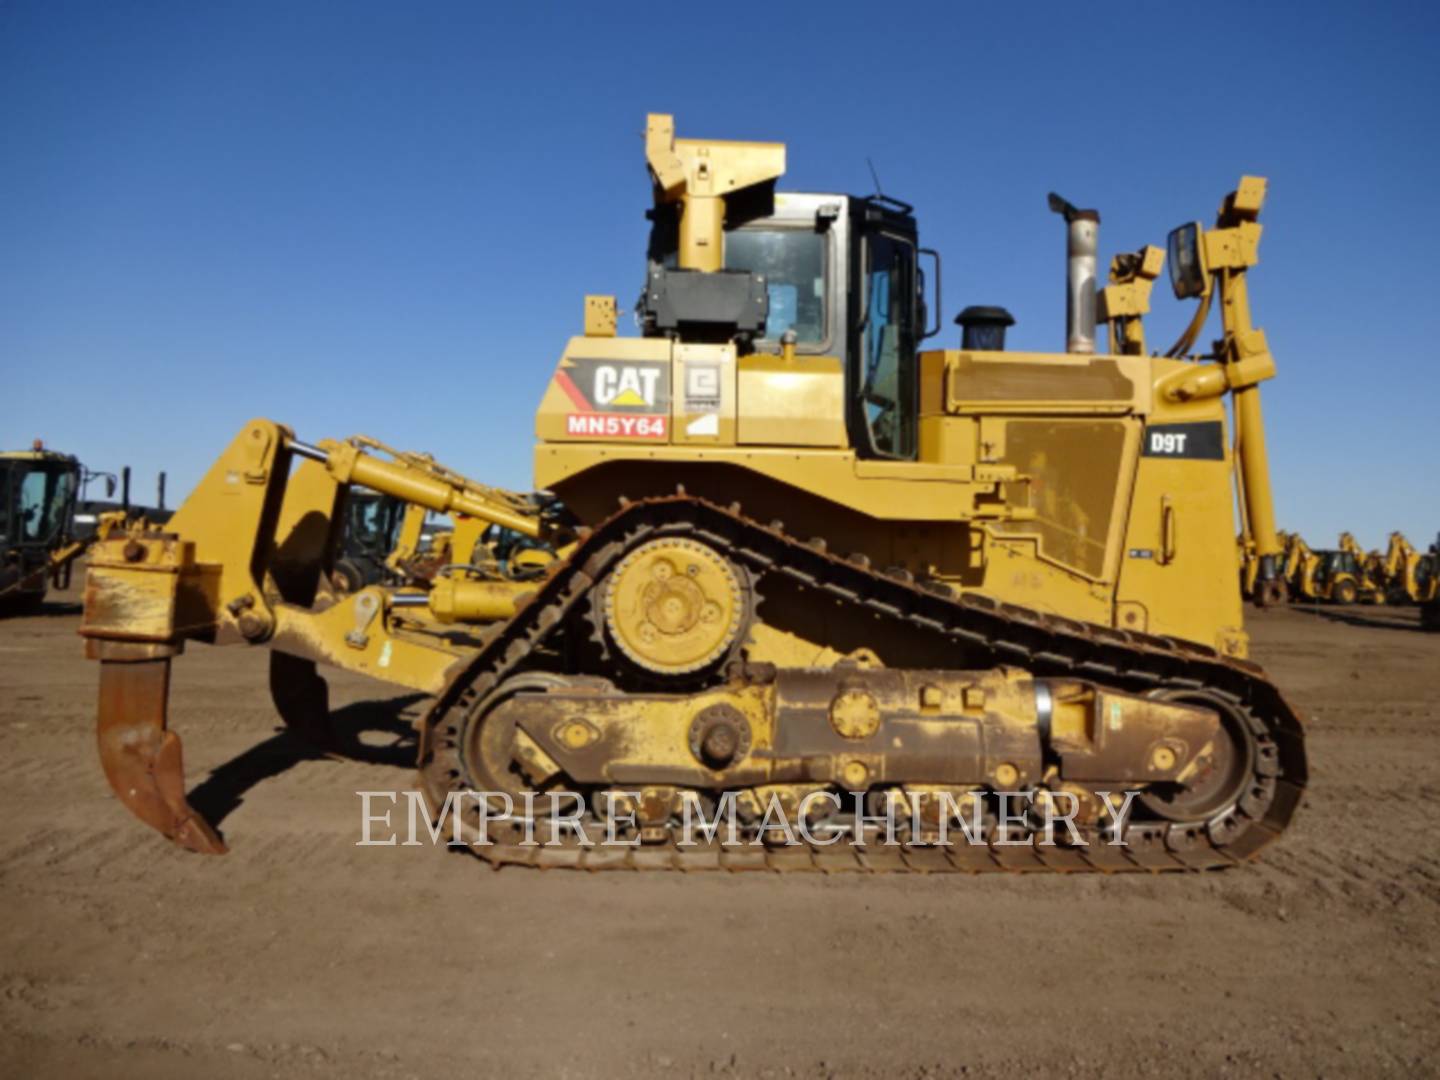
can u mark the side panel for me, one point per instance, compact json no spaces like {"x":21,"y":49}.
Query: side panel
{"x":799,"y":402}
{"x":1056,"y":482}
{"x":609,"y":390}
{"x":1072,"y":472}
{"x":645,"y":391}
{"x":1180,"y":574}
{"x":1067,"y":428}
{"x":703,"y":404}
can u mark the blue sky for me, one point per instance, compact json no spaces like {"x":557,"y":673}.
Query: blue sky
{"x":382,"y":218}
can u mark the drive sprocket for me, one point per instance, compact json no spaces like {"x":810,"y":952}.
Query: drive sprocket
{"x":675,"y":605}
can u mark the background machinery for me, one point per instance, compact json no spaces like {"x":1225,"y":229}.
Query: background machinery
{"x":1430,"y":608}
{"x":1300,"y":567}
{"x":794,"y":555}
{"x":1407,"y":575}
{"x":372,"y":531}
{"x":387,"y":540}
{"x":1337,"y":577}
{"x":94,"y":516}
{"x":1369,"y":580}
{"x":38,"y":488}
{"x":1279,"y":589}
{"x":1329,"y":575}
{"x":48,"y":522}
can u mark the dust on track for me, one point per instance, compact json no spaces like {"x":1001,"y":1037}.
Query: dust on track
{"x":301,"y":954}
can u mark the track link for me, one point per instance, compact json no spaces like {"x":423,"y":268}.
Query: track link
{"x":976,"y":630}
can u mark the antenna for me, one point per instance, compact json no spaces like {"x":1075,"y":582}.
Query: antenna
{"x":874,"y":176}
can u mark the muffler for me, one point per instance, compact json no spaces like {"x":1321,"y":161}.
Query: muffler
{"x":1081,"y":251}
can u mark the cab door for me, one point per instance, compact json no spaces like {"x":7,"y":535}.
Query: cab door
{"x":883,"y":368}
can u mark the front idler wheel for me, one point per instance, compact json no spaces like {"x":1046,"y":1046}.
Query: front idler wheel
{"x":1218,"y":779}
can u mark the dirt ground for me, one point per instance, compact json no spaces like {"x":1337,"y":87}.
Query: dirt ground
{"x":300,"y":954}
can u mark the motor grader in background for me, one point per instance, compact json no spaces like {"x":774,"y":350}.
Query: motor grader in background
{"x":794,"y":554}
{"x":45,"y":526}
{"x":38,"y":489}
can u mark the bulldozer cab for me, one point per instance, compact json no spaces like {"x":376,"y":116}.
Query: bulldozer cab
{"x":841,"y":279}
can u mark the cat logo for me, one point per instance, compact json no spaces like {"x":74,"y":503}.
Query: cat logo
{"x":617,"y":386}
{"x":624,"y":385}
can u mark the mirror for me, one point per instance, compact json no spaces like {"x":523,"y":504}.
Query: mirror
{"x":1189,"y":275}
{"x":926,"y":330}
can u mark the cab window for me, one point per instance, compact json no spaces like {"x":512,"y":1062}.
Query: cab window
{"x":44,"y":504}
{"x":793,"y":262}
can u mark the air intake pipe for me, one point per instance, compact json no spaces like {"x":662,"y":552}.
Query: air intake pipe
{"x":1081,"y":248}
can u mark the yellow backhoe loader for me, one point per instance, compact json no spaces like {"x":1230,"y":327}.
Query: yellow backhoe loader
{"x":1369,"y":582}
{"x":1330,"y":575}
{"x":1430,"y":607}
{"x":799,"y":562}
{"x":1278,"y":591}
{"x":1407,"y":575}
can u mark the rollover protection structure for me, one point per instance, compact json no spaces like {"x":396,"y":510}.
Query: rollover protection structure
{"x":796,"y":556}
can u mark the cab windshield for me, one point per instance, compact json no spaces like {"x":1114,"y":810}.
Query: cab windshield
{"x":45,"y":497}
{"x":793,"y":262}
{"x":374,"y":522}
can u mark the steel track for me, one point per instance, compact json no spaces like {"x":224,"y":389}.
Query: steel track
{"x":978,"y":631}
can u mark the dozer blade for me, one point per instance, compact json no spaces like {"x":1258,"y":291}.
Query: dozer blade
{"x":142,"y":758}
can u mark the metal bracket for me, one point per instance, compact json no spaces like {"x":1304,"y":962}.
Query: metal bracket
{"x":367,"y":606}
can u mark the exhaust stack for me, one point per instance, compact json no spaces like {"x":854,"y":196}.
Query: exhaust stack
{"x":1081,"y":249}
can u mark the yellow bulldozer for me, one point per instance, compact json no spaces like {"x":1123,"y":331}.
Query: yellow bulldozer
{"x":796,"y":564}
